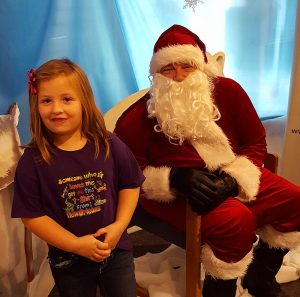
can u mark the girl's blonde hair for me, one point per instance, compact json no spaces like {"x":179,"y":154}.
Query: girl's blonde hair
{"x":93,"y":126}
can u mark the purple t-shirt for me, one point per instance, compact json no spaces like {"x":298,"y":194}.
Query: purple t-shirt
{"x":78,"y":191}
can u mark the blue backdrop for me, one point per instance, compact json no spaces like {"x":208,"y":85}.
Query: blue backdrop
{"x":112,"y":41}
{"x":87,"y":32}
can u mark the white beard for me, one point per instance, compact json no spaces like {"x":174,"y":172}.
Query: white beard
{"x":184,"y":110}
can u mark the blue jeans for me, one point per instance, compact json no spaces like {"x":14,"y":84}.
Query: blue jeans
{"x":79,"y":277}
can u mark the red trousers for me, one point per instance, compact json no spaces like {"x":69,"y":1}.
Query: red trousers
{"x":230,"y":229}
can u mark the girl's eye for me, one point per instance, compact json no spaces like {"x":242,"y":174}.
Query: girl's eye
{"x":45,"y":100}
{"x":67,"y":99}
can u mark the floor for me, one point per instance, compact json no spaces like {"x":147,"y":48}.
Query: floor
{"x":146,"y":242}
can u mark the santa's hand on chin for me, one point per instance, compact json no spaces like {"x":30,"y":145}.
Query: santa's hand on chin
{"x":204,"y":190}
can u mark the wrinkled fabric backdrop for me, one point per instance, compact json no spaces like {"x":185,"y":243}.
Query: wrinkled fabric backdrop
{"x":112,"y":41}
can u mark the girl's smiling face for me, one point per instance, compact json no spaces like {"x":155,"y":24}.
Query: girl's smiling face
{"x":60,"y":108}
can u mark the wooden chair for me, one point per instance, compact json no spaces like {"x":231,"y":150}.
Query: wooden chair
{"x":28,"y":254}
{"x":191,"y":238}
{"x":271,"y":162}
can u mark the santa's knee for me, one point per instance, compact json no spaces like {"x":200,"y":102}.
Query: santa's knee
{"x":228,"y":237}
{"x":283,"y":229}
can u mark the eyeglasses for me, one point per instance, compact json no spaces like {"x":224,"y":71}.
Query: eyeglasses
{"x":172,"y":68}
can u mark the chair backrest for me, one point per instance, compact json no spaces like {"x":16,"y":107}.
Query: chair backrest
{"x":112,"y":115}
{"x":271,"y":162}
{"x":10,"y":146}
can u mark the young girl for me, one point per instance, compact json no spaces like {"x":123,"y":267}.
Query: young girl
{"x":77,"y":185}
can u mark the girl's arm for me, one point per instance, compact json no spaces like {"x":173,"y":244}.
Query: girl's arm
{"x":128,"y":199}
{"x":54,"y":234}
{"x":127,"y":202}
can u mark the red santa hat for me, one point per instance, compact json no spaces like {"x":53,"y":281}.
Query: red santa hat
{"x":177,"y":44}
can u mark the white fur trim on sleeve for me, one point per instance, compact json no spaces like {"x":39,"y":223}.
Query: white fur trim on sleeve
{"x":223,"y":270}
{"x":247,"y":176}
{"x":156,"y":185}
{"x":276,"y":239}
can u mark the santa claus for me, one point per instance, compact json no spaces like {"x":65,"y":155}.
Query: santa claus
{"x":198,"y":138}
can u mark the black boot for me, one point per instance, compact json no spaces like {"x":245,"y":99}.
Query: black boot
{"x":260,"y":277}
{"x":213,"y":287}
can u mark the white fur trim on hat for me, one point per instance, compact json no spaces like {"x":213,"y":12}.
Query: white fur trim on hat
{"x":247,"y":176}
{"x":223,"y":270}
{"x":276,"y":239}
{"x":156,"y":185}
{"x":186,"y":53}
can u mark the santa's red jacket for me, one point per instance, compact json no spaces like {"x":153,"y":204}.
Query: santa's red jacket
{"x":239,"y":122}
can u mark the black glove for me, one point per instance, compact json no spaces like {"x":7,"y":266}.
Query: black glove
{"x":204,"y":190}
